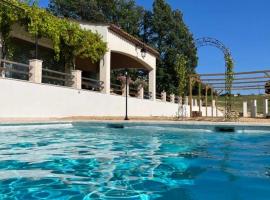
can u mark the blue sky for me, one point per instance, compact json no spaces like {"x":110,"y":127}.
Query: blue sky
{"x":242,"y":25}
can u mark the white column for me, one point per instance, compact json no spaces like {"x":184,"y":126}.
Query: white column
{"x":163,"y":96}
{"x":245,"y":109}
{"x":180,"y":101}
{"x":105,"y":72}
{"x":186,"y":101}
{"x":172,"y":98}
{"x":35,"y":70}
{"x":140,"y":92}
{"x":213,"y":107}
{"x":254,"y":109}
{"x":152,"y":83}
{"x":124,"y":89}
{"x":77,"y":79}
{"x":196,"y":102}
{"x":265,"y":107}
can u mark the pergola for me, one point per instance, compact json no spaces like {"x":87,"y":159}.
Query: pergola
{"x":242,"y":81}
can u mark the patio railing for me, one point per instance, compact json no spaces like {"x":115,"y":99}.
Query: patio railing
{"x":92,"y":84}
{"x":56,"y":77}
{"x":158,"y":96}
{"x":147,"y":95}
{"x":133,"y":92}
{"x":35,"y":73}
{"x":177,"y":99}
{"x":116,"y":89}
{"x":15,"y":70}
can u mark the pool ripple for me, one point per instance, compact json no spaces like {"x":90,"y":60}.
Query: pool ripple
{"x":88,"y":161}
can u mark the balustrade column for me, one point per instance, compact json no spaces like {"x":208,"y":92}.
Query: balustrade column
{"x":254,"y":109}
{"x":186,"y":101}
{"x":140,"y":92}
{"x":35,"y":70}
{"x":265,"y":107}
{"x":77,"y":79}
{"x":196,"y":102}
{"x":163,"y":96}
{"x":180,"y":102}
{"x":124,"y":85}
{"x":172,"y":98}
{"x":213,"y":107}
{"x":245,"y":109}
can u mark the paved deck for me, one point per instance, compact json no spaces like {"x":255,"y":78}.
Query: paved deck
{"x":203,"y":120}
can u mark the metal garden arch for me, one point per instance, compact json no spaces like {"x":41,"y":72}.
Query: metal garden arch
{"x":208,"y":41}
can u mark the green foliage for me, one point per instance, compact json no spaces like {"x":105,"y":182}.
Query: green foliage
{"x":124,"y":13}
{"x":229,"y":81}
{"x":67,"y":37}
{"x":181,"y":71}
{"x":171,"y":37}
{"x":229,"y":72}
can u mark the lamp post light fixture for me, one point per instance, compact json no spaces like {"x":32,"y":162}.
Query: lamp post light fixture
{"x":143,"y":52}
{"x":126,"y":75}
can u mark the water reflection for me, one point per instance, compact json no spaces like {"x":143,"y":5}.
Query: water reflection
{"x":81,"y":161}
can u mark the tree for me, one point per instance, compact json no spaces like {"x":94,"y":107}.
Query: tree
{"x":182,"y":74}
{"x":124,"y":13}
{"x":171,"y":37}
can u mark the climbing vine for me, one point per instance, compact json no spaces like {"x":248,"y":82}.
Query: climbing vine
{"x":228,"y":85}
{"x":68,"y":38}
{"x":229,"y":71}
{"x":181,"y":71}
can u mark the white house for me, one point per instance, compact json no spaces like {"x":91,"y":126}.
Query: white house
{"x":32,"y":90}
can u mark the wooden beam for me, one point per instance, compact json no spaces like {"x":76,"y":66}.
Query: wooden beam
{"x":245,"y":86}
{"x":242,"y":82}
{"x":249,"y":78}
{"x":254,"y":88}
{"x":267,"y":74}
{"x":237,"y":73}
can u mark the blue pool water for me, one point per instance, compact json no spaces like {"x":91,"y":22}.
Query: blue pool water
{"x":91,"y":161}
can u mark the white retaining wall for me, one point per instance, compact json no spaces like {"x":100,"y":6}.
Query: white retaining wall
{"x":23,"y":99}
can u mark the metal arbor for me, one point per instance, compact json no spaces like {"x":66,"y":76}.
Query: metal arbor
{"x":207,"y":41}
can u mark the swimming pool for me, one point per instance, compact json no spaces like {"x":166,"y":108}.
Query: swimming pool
{"x":141,"y":161}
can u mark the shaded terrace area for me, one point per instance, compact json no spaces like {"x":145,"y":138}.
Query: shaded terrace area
{"x":124,"y":53}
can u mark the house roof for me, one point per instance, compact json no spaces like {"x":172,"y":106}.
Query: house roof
{"x":132,"y":39}
{"x":124,"y":34}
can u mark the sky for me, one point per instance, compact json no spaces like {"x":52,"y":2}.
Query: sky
{"x":242,"y":25}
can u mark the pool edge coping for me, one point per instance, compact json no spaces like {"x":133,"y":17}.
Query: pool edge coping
{"x":145,"y":122}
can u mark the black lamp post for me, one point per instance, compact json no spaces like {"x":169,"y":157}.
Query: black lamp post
{"x":126,"y":75}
